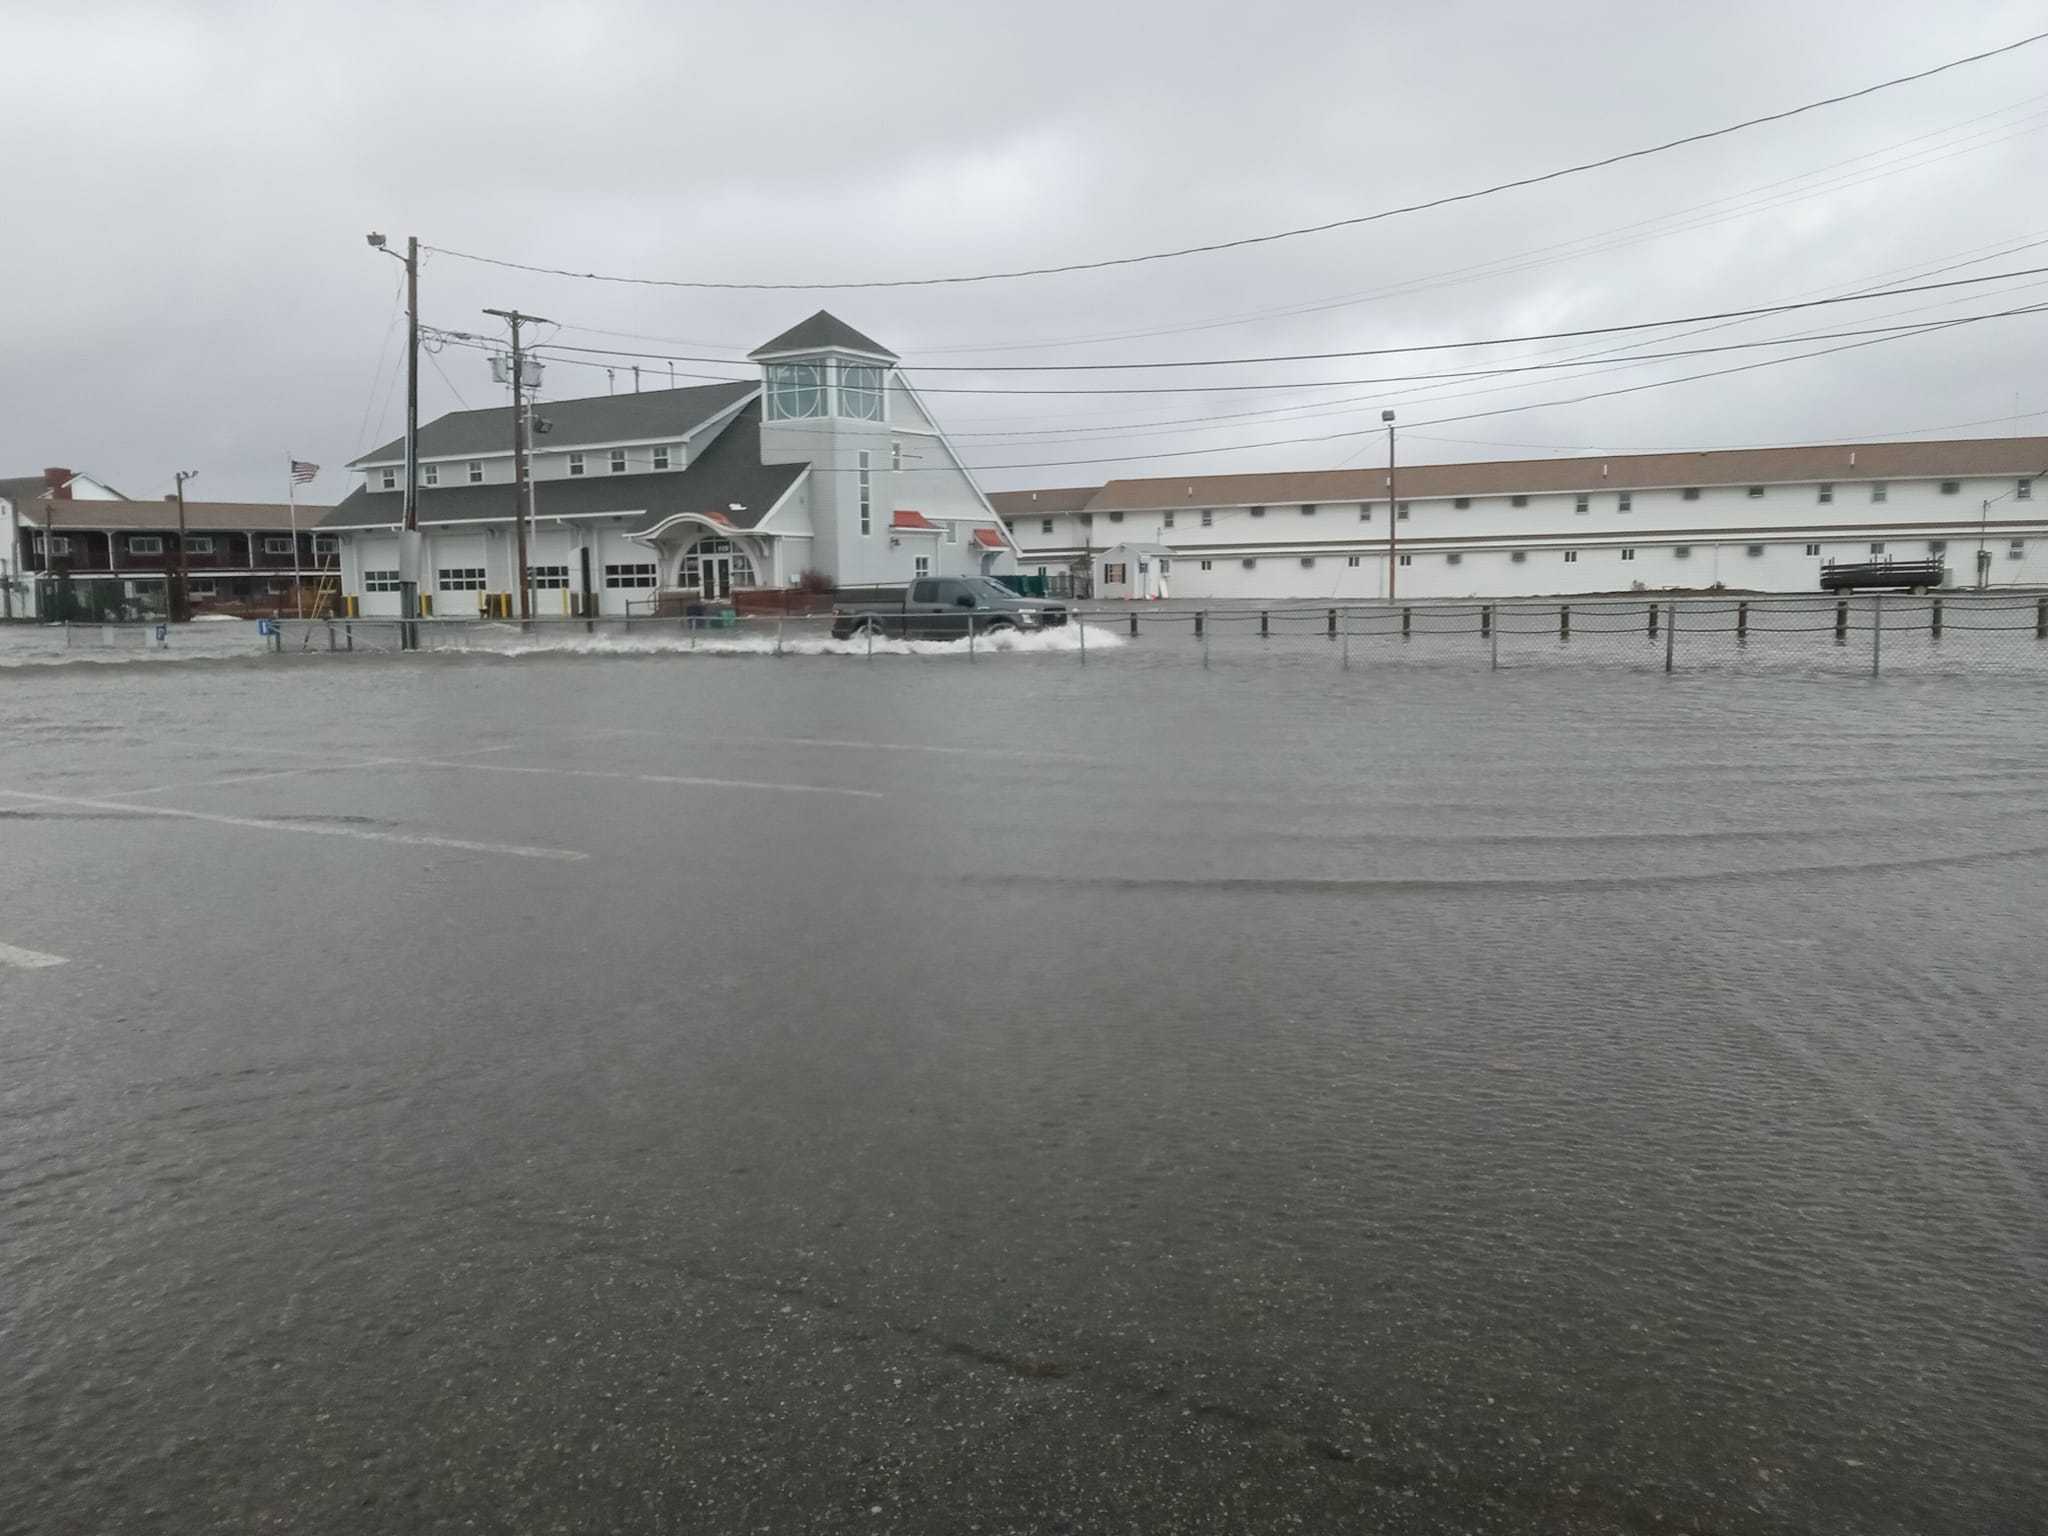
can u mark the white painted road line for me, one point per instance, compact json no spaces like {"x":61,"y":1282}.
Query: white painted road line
{"x":321,"y":767}
{"x":27,"y":959}
{"x":306,"y":829}
{"x":826,"y":741}
{"x":655,"y":778}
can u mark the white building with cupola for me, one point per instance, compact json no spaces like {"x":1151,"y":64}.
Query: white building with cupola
{"x":830,"y":463}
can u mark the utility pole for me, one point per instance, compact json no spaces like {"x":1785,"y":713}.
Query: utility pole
{"x":1393,"y":510}
{"x":521,"y":506}
{"x":409,"y":522}
{"x":180,"y":604}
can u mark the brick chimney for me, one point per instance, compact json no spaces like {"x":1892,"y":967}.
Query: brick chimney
{"x":57,"y":484}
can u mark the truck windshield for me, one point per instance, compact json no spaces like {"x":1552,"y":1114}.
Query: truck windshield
{"x":983,"y":587}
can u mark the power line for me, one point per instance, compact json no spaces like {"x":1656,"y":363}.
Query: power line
{"x":1284,"y":234}
{"x":1300,"y":357}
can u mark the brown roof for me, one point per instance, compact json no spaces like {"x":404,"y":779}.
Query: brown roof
{"x":1037,"y":503}
{"x":200,"y":516}
{"x":905,"y":518}
{"x":1955,"y":459}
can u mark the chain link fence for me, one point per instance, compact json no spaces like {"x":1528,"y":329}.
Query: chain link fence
{"x":1868,"y":635}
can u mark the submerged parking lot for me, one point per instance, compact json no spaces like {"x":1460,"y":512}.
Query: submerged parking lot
{"x":678,"y":1093}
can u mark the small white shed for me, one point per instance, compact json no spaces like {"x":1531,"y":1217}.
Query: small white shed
{"x":1136,"y":571}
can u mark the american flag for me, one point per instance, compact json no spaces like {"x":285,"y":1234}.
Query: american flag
{"x":302,"y":472}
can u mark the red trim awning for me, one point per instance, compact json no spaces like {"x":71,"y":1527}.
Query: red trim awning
{"x":908,"y":519}
{"x":989,"y":538}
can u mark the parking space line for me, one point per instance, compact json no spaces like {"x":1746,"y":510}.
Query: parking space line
{"x":28,"y":959}
{"x":306,"y":829}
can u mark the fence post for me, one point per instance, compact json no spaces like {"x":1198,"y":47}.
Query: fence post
{"x":2041,"y":618}
{"x":1347,"y":640}
{"x":1653,"y":621}
{"x":779,"y":622}
{"x":970,"y":637}
{"x":1485,"y":620}
{"x":1876,"y":630}
{"x":1203,"y":630}
{"x":1134,"y":623}
{"x":1333,"y":623}
{"x":1265,"y":624}
{"x":1741,"y":623}
{"x":1564,"y":621}
{"x":869,"y":630}
{"x":1407,"y":621}
{"x":1493,"y":641}
{"x":348,"y":632}
{"x":1198,"y":623}
{"x":1934,"y":619}
{"x":330,"y":638}
{"x":1670,"y":633}
{"x":1842,"y":622}
{"x":1084,"y":641}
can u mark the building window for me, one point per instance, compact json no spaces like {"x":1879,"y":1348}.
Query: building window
{"x":1257,"y":511}
{"x":390,"y":479}
{"x":1045,"y":525}
{"x":431,"y":474}
{"x":1308,"y":562}
{"x":202,"y":543}
{"x":1582,"y":503}
{"x":1208,"y":517}
{"x":277,"y":546}
{"x":1571,"y":557}
{"x":2016,"y":550}
{"x":1880,"y":492}
{"x":1628,"y":554}
{"x":1454,"y":558}
{"x":1205,"y":565}
{"x":1116,"y":517}
{"x":2023,"y":490}
{"x":922,"y":566}
{"x":548,"y":578}
{"x":1813,"y":549}
{"x":460,"y":578}
{"x":476,"y":471}
{"x":1401,"y":513}
{"x":952,"y":533}
{"x":1352,"y":561}
{"x":202,"y":589}
{"x":1826,"y":494}
{"x":1877,"y":548}
{"x":1937,"y":546}
{"x":1365,"y":511}
{"x":1518,"y":501}
{"x":895,"y":455}
{"x":618,"y":461}
{"x":631,"y":574}
{"x":1690,"y":493}
{"x":1165,"y":567}
{"x":867,"y":494}
{"x":795,"y":391}
{"x":145,"y":544}
{"x":1682,"y":552}
{"x":1625,"y":502}
{"x":575,"y":463}
{"x":1308,"y":509}
{"x":1461,"y":502}
{"x":380,"y":581}
{"x":323,"y":544}
{"x":1517,"y":556}
{"x":1407,"y":559}
{"x":660,"y":457}
{"x":1166,"y":520}
{"x":1249,"y":564}
{"x":860,"y":391}
{"x":1755,"y":551}
{"x":1950,"y":487}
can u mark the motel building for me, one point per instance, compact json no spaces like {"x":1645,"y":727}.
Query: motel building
{"x":1753,"y":519}
{"x":830,"y":463}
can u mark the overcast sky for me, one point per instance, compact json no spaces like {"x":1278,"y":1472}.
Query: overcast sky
{"x":189,"y":184}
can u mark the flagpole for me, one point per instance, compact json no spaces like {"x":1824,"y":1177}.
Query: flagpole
{"x":291,"y":496}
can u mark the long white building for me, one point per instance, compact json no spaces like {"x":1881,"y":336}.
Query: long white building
{"x":829,"y":464}
{"x":1753,"y":519}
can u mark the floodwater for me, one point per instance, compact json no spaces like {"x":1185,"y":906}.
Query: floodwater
{"x":741,"y":1094}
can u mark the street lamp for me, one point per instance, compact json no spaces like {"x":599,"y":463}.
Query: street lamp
{"x":181,"y":602}
{"x":1393,"y":510}
{"x":409,"y":523}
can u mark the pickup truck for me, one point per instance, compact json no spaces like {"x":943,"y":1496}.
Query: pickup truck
{"x":940,"y":608}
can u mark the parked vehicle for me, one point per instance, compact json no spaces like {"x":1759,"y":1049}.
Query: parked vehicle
{"x":1881,"y":575}
{"x":941,"y":608}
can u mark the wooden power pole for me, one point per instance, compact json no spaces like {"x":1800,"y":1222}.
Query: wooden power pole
{"x":522,"y":502}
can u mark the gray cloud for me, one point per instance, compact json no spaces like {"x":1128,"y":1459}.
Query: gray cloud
{"x":191,"y":184}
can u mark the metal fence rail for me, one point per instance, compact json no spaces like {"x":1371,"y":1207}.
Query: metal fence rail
{"x":1868,"y":634}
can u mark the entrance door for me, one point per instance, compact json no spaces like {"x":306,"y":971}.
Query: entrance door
{"x":716,"y":576}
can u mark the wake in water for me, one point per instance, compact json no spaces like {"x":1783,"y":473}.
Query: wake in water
{"x":1066,"y":639}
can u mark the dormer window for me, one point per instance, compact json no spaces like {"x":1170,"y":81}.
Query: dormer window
{"x":860,"y":391}
{"x":796,"y":391}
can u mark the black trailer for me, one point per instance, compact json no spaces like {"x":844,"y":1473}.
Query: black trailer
{"x":1883,"y":576}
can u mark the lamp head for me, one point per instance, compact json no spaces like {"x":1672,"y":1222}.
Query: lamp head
{"x":376,"y":241}
{"x":1386,"y":415}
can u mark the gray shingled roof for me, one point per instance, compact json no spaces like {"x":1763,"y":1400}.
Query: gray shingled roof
{"x":648,"y":414}
{"x":728,"y":470}
{"x":822,"y":330}
{"x":20,"y":488}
